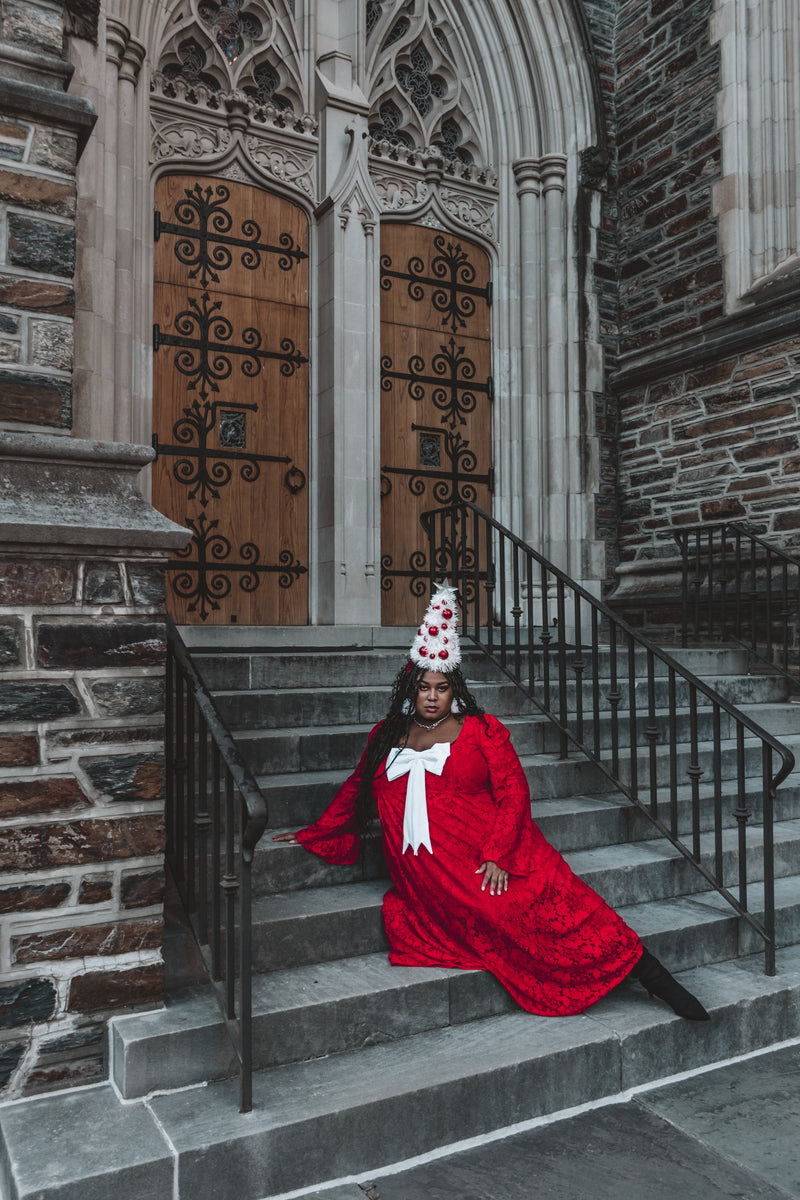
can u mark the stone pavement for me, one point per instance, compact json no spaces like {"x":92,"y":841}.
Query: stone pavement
{"x":728,"y":1133}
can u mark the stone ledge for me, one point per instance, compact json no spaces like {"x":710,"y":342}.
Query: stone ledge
{"x":768,"y":319}
{"x":67,"y":493}
{"x":32,"y":100}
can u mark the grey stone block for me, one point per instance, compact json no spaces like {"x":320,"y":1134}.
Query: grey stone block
{"x":129,"y":697}
{"x":41,"y":245}
{"x":750,"y":1113}
{"x":26,"y":1002}
{"x":47,"y":1153}
{"x":620,"y":1152}
{"x":320,"y":924}
{"x":37,"y":701}
{"x":148,"y":584}
{"x":10,"y":1057}
{"x":383,"y":1103}
{"x":102,"y":583}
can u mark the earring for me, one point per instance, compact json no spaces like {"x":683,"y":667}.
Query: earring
{"x":455,"y":707}
{"x":407,"y":706}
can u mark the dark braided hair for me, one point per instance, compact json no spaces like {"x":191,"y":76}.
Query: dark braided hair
{"x":394,"y":728}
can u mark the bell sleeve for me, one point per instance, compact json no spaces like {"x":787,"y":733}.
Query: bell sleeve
{"x":514,"y":840}
{"x":335,"y":836}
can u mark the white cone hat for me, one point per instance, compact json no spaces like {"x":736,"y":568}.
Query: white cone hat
{"x":437,"y":645}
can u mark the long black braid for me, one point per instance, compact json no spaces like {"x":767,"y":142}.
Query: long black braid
{"x":394,"y":729}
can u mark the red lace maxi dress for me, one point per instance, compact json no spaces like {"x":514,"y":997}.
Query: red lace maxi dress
{"x":550,"y":940}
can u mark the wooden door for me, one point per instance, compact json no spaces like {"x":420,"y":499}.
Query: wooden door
{"x":437,"y":389}
{"x":230,"y":404}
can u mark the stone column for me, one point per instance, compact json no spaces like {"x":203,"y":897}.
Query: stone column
{"x":533,"y":453}
{"x":558,"y":436}
{"x":129,"y":60}
{"x":82,"y":647}
{"x":348,"y":583}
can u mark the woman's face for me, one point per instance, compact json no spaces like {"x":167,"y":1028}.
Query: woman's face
{"x":434,"y":697}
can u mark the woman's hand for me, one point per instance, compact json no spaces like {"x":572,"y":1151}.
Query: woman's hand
{"x":286,"y":837}
{"x":494,"y":877}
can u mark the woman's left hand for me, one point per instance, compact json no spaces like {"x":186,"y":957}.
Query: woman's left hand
{"x":493,"y":877}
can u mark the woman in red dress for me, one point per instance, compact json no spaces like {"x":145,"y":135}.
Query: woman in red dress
{"x":476,"y":884}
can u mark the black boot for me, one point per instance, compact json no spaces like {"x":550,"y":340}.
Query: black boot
{"x":659,"y":982}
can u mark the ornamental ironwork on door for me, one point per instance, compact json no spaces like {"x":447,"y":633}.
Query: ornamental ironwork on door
{"x":437,"y":389}
{"x":230,"y":408}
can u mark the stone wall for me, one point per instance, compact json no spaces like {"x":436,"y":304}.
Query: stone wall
{"x":710,"y":443}
{"x":41,"y":133}
{"x":670,"y":271}
{"x":702,"y":406}
{"x":82,"y":645}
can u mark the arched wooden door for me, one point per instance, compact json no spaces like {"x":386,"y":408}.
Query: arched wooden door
{"x":230,"y":403}
{"x":436,"y":388}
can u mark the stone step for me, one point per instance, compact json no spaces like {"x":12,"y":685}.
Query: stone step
{"x":354,"y":1113}
{"x":736,"y":689}
{"x":350,"y":705}
{"x":320,"y":669}
{"x":702,"y":661}
{"x":351,"y":1113}
{"x":781,"y":720}
{"x":281,"y":708}
{"x":232,"y":666}
{"x":570,"y":824}
{"x":296,"y":798}
{"x":333,"y":1007}
{"x":339,"y":747}
{"x":323,"y":923}
{"x":227,"y":639}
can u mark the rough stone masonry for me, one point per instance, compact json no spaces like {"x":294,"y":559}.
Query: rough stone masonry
{"x":82,"y":646}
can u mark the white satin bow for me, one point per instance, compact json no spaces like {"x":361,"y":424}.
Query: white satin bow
{"x":415,"y":816}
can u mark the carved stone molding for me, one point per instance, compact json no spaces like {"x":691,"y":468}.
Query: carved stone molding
{"x":196,"y":124}
{"x":466,"y":209}
{"x":187,"y":139}
{"x":284,"y":163}
{"x":425,"y":187}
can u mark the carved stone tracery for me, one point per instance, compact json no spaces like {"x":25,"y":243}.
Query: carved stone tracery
{"x":230,"y":91}
{"x":427,"y":157}
{"x":418,"y":82}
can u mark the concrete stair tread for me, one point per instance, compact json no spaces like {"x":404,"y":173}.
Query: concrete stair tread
{"x":83,"y":1144}
{"x":518,"y":1065}
{"x":361,"y":728}
{"x":351,"y":1113}
{"x":364,"y":993}
{"x":311,"y":902}
{"x":732,"y":682}
{"x":613,"y":868}
{"x":618,"y":859}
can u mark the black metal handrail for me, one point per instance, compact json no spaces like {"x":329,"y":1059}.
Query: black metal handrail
{"x":736,"y":586}
{"x":502,"y":580}
{"x":211,"y":841}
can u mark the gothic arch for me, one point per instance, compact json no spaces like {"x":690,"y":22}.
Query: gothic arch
{"x":534,"y":107}
{"x":523,"y":101}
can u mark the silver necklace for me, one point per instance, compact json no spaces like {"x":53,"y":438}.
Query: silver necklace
{"x":430,"y":728}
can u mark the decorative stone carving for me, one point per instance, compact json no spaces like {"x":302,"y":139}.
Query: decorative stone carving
{"x":428,"y":188}
{"x":418,"y":79}
{"x":284,"y":163}
{"x":469,"y":210}
{"x":247,"y":44}
{"x":192,"y":122}
{"x":398,"y":192}
{"x":187,"y":139}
